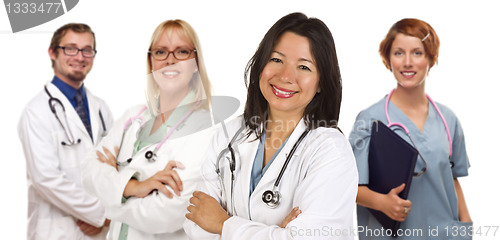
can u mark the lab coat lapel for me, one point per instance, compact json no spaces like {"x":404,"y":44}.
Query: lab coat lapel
{"x":73,"y":118}
{"x":247,"y":150}
{"x":273,"y":171}
{"x":95,"y":119}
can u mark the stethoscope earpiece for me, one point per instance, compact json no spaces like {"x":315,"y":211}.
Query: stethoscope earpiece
{"x":271,"y":198}
{"x":418,"y":174}
{"x":124,"y":164}
{"x":71,"y":143}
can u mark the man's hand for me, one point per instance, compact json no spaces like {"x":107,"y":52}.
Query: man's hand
{"x":88,"y":229}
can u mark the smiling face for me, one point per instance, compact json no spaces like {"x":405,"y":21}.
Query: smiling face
{"x":408,"y":60}
{"x":73,"y":69}
{"x":173,"y":75}
{"x":290,"y":79}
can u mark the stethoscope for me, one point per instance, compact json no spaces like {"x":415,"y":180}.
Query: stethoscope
{"x":150,"y":155}
{"x":69,"y":135}
{"x":405,"y":129}
{"x":272,"y":197}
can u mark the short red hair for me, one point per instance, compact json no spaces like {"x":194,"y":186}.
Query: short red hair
{"x":415,"y":28}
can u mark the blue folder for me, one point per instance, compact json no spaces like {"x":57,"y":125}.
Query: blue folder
{"x":391,"y":162}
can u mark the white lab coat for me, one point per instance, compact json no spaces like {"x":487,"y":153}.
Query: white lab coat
{"x":321,"y":180}
{"x":155,"y":216}
{"x":56,"y":198}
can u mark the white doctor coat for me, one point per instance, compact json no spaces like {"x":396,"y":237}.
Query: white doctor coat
{"x":321,"y":179}
{"x":155,"y":216}
{"x":56,"y":198}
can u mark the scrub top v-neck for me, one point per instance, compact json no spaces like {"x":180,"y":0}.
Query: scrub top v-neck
{"x":257,"y":170}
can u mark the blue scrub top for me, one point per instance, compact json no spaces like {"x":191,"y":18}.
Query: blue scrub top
{"x":434,"y":209}
{"x":257,"y":170}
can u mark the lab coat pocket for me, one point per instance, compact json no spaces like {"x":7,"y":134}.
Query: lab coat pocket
{"x":57,"y":228}
{"x":66,"y":153}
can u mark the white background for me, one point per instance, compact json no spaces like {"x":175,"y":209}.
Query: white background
{"x":465,"y":79}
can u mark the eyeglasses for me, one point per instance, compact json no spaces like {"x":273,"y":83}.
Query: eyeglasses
{"x":73,"y":51}
{"x":179,"y":53}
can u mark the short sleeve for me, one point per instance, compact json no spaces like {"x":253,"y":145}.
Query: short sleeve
{"x":459,"y":156}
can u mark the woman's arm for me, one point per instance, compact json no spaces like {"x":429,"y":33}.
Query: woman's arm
{"x":135,"y":188}
{"x":209,"y":185}
{"x":102,"y":179}
{"x":326,"y":194}
{"x":158,"y":212}
{"x":463,"y":212}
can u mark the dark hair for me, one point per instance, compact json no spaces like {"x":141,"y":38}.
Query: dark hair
{"x":324,"y":108}
{"x":61,"y":32}
{"x":415,"y":28}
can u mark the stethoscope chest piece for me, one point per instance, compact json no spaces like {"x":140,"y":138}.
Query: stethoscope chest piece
{"x":150,"y":156}
{"x":271,"y":198}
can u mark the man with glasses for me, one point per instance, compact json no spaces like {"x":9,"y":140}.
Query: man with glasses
{"x":58,"y":128}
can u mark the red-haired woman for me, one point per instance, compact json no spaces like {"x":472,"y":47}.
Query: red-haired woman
{"x":436,"y":203}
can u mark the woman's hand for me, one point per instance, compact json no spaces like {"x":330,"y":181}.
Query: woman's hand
{"x":206,"y":212}
{"x":394,"y":206}
{"x":108,"y":157}
{"x":166,"y":176}
{"x":291,"y":216}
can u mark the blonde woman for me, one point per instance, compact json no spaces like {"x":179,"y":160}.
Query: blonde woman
{"x":146,"y":169}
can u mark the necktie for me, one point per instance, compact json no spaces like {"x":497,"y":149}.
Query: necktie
{"x":80,"y":109}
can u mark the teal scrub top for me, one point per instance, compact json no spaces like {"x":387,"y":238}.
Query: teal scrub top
{"x":257,"y":170}
{"x":434,"y":210}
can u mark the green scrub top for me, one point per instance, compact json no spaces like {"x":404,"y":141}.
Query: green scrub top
{"x":144,"y":138}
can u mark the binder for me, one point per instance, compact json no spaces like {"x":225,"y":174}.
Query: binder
{"x":391,"y":162}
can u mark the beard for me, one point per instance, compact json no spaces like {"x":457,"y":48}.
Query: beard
{"x":77,"y":76}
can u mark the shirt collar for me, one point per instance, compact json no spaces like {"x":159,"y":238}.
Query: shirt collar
{"x":68,"y":90}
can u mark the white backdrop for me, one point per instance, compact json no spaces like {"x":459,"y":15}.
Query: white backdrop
{"x":230,"y":31}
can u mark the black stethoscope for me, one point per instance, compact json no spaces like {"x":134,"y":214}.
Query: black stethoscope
{"x":272,"y":197}
{"x":69,"y":135}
